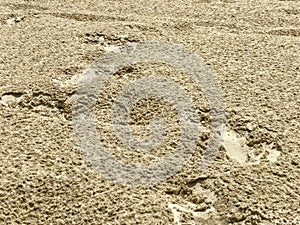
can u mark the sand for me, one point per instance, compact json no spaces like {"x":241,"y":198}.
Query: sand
{"x":251,"y":47}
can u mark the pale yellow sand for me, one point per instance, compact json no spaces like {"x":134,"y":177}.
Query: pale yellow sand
{"x":253,"y":49}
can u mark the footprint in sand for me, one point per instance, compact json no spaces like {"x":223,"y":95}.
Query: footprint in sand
{"x":237,"y":150}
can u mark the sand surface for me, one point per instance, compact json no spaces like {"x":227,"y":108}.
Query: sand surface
{"x":252,"y":48}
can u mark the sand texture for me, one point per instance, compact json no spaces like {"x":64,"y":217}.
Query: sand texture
{"x":251,"y":47}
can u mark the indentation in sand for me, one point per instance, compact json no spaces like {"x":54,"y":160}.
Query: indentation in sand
{"x":235,"y":147}
{"x":191,"y":209}
{"x":73,"y":82}
{"x":201,"y":212}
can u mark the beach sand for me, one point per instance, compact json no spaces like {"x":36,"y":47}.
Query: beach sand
{"x":251,"y":47}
